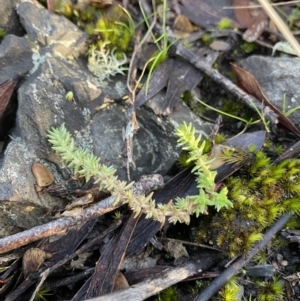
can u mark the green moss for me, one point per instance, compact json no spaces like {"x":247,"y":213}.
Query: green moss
{"x":270,"y":290}
{"x":248,"y":47}
{"x":117,"y":28}
{"x":194,"y":105}
{"x":42,"y":294}
{"x":2,"y":33}
{"x":261,"y":191}
{"x":261,"y":257}
{"x":230,"y":292}
{"x":206,"y":39}
{"x":224,"y":23}
{"x":216,"y":65}
{"x":235,"y":108}
{"x":294,"y":16}
{"x":114,"y":27}
{"x":220,"y":138}
{"x":293,"y":223}
{"x":169,"y":294}
{"x":64,"y":8}
{"x":183,"y":160}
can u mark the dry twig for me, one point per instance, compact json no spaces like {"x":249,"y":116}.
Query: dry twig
{"x":62,"y":224}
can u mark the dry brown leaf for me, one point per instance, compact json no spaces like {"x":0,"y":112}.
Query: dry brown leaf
{"x":243,"y":15}
{"x":43,"y":175}
{"x":183,"y":24}
{"x":249,"y":84}
{"x":120,"y":282}
{"x":33,"y":259}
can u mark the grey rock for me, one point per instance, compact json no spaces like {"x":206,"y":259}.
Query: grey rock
{"x":180,"y":114}
{"x":277,"y":77}
{"x":264,"y":270}
{"x":154,"y":146}
{"x":15,"y":57}
{"x":96,"y":117}
{"x":9,"y":20}
{"x":17,"y":190}
{"x":56,"y":32}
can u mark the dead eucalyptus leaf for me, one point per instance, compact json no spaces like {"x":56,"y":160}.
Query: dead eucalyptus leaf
{"x":182,"y":23}
{"x":242,"y":15}
{"x":249,"y":84}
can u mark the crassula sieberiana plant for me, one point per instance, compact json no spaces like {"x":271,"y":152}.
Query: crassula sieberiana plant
{"x":88,"y":165}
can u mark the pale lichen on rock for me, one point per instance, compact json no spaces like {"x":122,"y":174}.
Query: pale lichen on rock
{"x":103,"y":63}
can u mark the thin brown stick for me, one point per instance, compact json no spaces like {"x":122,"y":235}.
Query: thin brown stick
{"x":144,"y":186}
{"x":62,"y":224}
{"x":217,"y":283}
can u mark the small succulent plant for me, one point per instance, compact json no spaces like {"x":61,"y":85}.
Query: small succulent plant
{"x":88,"y":165}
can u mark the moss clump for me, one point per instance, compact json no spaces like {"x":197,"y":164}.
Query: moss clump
{"x":169,"y":294}
{"x":2,"y":33}
{"x":206,"y":39}
{"x":110,"y":25}
{"x":231,"y":291}
{"x":235,"y":108}
{"x":248,"y":47}
{"x":270,"y":290}
{"x":115,"y":28}
{"x":261,"y":191}
{"x":224,"y":23}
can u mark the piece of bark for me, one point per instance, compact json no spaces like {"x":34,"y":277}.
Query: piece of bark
{"x":6,"y":91}
{"x":107,"y":268}
{"x":150,"y":287}
{"x":44,"y":272}
{"x":178,"y":186}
